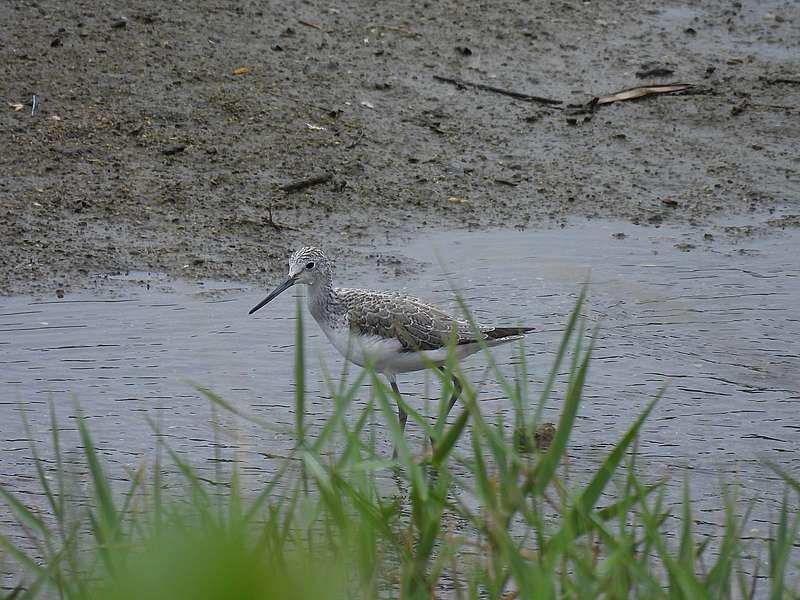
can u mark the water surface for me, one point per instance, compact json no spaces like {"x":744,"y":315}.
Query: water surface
{"x":718,"y":329}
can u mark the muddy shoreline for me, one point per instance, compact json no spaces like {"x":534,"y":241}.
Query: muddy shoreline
{"x":162,"y":134}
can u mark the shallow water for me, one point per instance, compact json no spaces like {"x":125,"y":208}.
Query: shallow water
{"x":720,"y":330}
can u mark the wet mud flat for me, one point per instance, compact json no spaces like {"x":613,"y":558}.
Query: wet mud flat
{"x":717,"y":328}
{"x":164,"y":134}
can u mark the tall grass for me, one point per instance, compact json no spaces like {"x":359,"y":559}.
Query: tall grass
{"x":472,"y":516}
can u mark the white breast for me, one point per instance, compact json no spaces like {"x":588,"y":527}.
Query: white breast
{"x":387,"y":355}
{"x":363,"y":349}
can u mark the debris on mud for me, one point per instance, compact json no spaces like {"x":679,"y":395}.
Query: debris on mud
{"x":649,"y":70}
{"x":462,"y":84}
{"x":302,"y":184}
{"x":576,"y":113}
{"x":270,"y":220}
{"x":174,"y":149}
{"x":642,"y":92}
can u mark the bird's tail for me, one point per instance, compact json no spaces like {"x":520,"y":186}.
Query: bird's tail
{"x":497,"y":333}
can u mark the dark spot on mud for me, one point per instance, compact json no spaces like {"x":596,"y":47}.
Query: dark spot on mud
{"x":176,"y":149}
{"x":651,"y":69}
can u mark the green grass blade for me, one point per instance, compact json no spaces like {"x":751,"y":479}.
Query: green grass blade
{"x":23,"y":513}
{"x":299,"y":377}
{"x":588,"y":498}
{"x":569,"y":331}
{"x":548,"y":464}
{"x":449,"y":440}
{"x":686,"y":551}
{"x":21,"y":557}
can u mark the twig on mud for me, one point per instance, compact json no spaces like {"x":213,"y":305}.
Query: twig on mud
{"x":642,"y":91}
{"x":490,"y":88}
{"x":302,"y":184}
{"x":774,"y":106}
{"x":33,"y":105}
{"x":740,"y":108}
{"x":274,"y":224}
{"x":309,"y":24}
{"x":357,"y":140}
{"x":401,"y":30}
{"x":780,"y":80}
{"x":584,"y":112}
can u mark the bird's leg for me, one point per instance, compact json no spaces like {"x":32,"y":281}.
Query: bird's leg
{"x":456,"y":393}
{"x":401,"y":414}
{"x":453,"y":399}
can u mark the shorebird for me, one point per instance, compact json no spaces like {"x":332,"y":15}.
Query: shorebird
{"x":391,"y":331}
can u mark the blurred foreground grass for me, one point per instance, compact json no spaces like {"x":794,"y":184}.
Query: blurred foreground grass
{"x":333,"y":531}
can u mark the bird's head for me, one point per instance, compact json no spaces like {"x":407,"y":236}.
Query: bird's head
{"x":308,"y":266}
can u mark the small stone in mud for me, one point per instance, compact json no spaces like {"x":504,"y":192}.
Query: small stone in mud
{"x":463,"y":51}
{"x":176,"y":149}
{"x":669,"y":202}
{"x":708,"y":237}
{"x":739,"y":108}
{"x":648,"y":70}
{"x":119,"y":24}
{"x":619,"y":235}
{"x":59,"y":293}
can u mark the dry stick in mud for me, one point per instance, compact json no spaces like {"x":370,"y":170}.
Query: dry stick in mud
{"x":576,"y":110}
{"x":270,"y":220}
{"x":310,"y":24}
{"x":302,"y":184}
{"x":642,"y":91}
{"x":490,"y":88}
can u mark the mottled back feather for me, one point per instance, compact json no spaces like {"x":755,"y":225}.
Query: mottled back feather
{"x":418,"y":326}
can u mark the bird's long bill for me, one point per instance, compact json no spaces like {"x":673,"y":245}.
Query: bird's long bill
{"x":276,"y":292}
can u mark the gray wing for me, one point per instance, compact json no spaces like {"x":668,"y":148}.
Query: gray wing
{"x":418,"y":326}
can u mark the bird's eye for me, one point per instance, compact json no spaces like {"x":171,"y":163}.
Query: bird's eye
{"x":310,"y":265}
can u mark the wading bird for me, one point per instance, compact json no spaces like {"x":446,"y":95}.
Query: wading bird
{"x":392,"y":332}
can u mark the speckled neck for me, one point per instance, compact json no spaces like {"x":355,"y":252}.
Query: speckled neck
{"x":325,"y":304}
